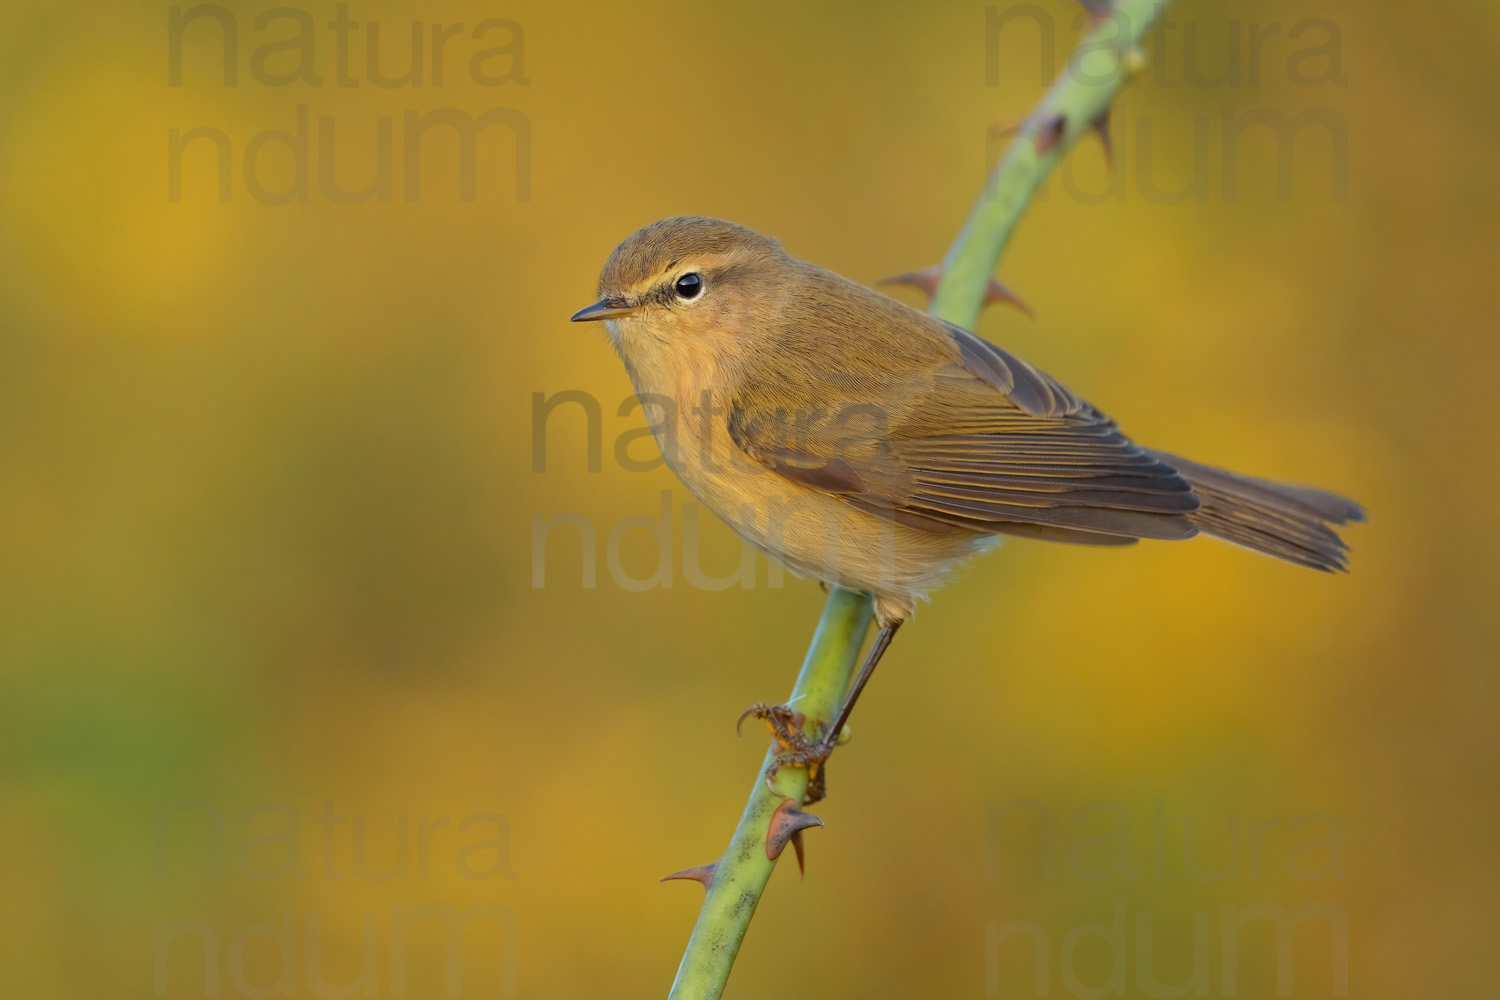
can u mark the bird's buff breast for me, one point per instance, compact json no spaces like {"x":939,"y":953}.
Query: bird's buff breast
{"x":816,"y":534}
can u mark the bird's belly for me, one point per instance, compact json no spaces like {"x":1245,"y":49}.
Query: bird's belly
{"x":816,"y":534}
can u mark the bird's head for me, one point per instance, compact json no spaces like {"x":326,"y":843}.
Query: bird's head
{"x":683,"y":284}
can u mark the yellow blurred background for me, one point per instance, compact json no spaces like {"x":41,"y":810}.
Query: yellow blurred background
{"x":275,"y":669}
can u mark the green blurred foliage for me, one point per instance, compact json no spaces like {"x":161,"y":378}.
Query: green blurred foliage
{"x":266,"y":516}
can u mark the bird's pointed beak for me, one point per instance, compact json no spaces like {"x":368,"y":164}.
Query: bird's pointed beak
{"x":606,"y":308}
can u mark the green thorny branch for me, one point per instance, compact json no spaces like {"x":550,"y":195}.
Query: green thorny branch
{"x":1107,"y":56}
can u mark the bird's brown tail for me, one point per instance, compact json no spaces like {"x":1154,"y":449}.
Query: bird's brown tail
{"x":1289,"y":522}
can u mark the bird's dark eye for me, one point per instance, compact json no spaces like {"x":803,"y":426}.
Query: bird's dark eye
{"x":689,"y":285}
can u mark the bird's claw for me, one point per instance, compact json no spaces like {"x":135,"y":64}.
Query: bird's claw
{"x":795,"y":748}
{"x":784,"y":722}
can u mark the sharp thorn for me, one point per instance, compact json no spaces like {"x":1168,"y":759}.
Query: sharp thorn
{"x":1007,"y":129}
{"x":1100,"y":126}
{"x":1051,"y":134}
{"x":786,"y":822}
{"x":928,"y":278}
{"x":1097,"y":11}
{"x":996,"y":292}
{"x":703,"y":873}
{"x":797,"y":848}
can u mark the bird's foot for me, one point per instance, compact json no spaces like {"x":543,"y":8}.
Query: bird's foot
{"x":795,"y":748}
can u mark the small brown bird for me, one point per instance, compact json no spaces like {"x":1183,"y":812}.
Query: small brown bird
{"x":872,"y":446}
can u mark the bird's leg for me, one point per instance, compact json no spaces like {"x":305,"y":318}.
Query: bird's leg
{"x":795,"y":748}
{"x":877,"y":650}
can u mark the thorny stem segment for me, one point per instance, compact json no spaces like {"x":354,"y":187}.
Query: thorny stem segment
{"x":743,"y":871}
{"x":1106,"y":57}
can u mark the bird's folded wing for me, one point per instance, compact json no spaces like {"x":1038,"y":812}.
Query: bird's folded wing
{"x":969,"y":438}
